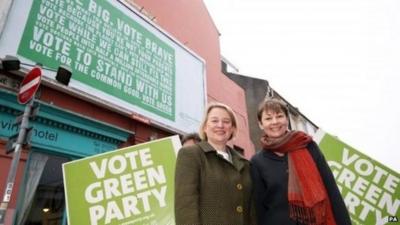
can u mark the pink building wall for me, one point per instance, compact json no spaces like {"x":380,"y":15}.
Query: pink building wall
{"x":190,"y":23}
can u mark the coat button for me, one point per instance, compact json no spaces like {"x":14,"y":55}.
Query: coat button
{"x":239,"y":186}
{"x":239,"y":209}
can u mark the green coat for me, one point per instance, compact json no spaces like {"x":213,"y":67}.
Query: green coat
{"x":210,"y":190}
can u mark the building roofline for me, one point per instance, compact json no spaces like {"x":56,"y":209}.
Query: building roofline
{"x":291,"y":107}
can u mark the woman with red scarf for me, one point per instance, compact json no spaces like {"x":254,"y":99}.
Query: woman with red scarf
{"x":292,"y":182}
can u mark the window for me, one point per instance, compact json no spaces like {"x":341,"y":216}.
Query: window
{"x":42,"y":200}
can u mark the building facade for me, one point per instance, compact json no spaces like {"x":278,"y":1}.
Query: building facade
{"x":256,"y":90}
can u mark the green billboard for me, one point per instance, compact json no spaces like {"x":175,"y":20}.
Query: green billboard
{"x":370,"y":189}
{"x":106,"y":50}
{"x":133,"y":185}
{"x":120,"y":56}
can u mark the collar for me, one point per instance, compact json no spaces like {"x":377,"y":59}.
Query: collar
{"x":238,"y":161}
{"x":206,"y":147}
{"x":271,"y":155}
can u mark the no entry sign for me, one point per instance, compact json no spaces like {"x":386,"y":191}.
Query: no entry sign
{"x":29,"y":85}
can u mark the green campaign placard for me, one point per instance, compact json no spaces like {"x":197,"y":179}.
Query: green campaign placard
{"x":106,"y":49}
{"x":370,"y":189}
{"x":133,"y":185}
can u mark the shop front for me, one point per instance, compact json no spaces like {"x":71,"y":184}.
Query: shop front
{"x":57,"y":136}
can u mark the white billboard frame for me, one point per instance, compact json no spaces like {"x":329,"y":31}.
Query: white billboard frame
{"x":189,"y":75}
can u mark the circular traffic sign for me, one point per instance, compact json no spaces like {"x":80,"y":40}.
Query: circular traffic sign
{"x":29,"y":85}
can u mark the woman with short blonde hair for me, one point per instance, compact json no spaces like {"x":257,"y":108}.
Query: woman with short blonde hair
{"x":212,"y":181}
{"x":210,"y":106}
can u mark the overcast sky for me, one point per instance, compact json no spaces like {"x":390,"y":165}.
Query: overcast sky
{"x":338,"y":61}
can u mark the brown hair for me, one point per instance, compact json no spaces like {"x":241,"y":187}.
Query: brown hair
{"x":274,"y":105}
{"x":211,"y":106}
{"x":191,"y":136}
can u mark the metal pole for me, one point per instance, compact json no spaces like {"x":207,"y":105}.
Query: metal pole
{"x":15,"y":160}
{"x":4,"y":10}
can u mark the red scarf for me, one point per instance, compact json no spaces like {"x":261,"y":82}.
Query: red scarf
{"x":308,"y":200}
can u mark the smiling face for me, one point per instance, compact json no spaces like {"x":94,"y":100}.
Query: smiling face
{"x":274,"y":124}
{"x":218,"y":127}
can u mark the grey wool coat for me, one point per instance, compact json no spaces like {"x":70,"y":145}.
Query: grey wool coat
{"x":210,"y":190}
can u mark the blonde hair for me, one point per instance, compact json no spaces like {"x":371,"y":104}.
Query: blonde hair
{"x":211,"y":106}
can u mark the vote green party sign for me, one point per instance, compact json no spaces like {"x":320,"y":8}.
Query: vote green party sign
{"x":106,"y":49}
{"x":370,"y":190}
{"x":116,"y":54}
{"x":132,"y":185}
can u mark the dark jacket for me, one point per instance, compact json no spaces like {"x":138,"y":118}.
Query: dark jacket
{"x":210,"y":190}
{"x":270,"y":181}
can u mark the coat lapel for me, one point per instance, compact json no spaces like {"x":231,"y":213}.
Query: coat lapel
{"x":205,"y":146}
{"x":237,"y":160}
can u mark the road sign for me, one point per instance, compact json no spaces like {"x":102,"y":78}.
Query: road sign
{"x":29,"y":85}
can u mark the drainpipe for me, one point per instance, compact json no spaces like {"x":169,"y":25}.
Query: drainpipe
{"x":4,"y":9}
